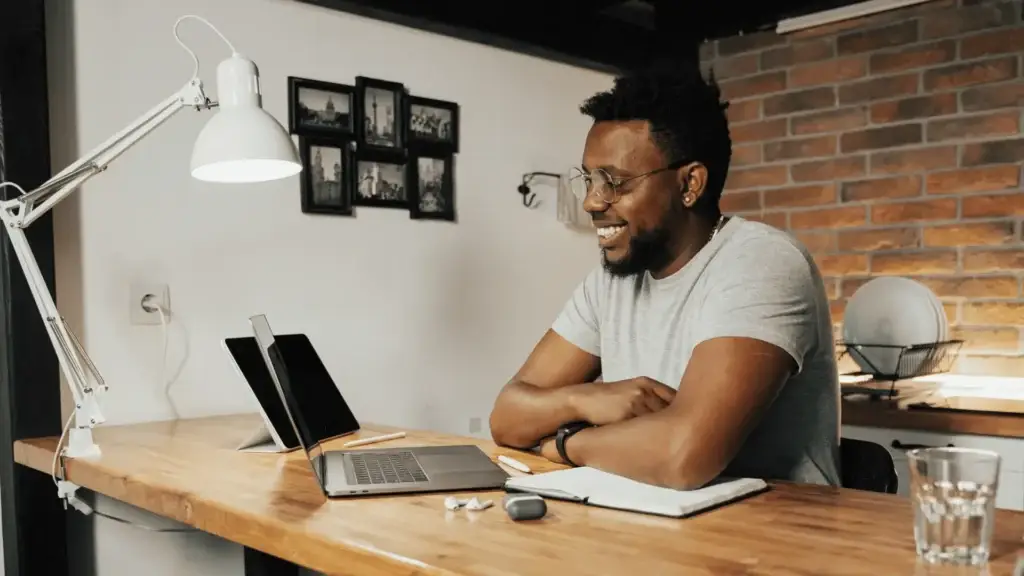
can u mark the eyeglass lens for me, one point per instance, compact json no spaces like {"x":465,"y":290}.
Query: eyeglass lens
{"x":597,"y":181}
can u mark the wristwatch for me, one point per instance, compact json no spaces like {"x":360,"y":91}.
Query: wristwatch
{"x":564,"y":433}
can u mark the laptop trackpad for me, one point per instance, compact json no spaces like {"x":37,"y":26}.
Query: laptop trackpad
{"x":448,"y":463}
{"x":448,"y":460}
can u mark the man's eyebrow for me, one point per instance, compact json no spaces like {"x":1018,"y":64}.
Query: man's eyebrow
{"x":611,"y":170}
{"x":615,"y":171}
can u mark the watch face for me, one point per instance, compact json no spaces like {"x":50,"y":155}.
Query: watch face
{"x":563,"y":433}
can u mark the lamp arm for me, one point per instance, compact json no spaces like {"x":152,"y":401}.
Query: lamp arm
{"x":21,"y":211}
{"x":80,"y":373}
{"x":95,"y":161}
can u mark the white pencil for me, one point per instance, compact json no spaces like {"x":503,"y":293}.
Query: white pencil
{"x":513,"y":463}
{"x":374,"y":439}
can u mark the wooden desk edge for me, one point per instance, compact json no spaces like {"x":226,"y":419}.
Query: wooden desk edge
{"x":268,"y":535}
{"x":884,"y":414}
{"x":34,"y":453}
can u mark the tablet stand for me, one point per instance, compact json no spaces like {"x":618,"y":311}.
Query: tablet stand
{"x":262,"y":439}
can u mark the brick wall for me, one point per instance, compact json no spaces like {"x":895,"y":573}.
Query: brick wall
{"x":893,"y":145}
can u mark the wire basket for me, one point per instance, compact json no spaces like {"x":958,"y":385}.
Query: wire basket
{"x":891,"y":362}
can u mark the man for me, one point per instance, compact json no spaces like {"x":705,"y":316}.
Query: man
{"x":703,"y":345}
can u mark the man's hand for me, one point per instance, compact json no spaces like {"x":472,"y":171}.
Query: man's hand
{"x":539,"y":398}
{"x":603,"y":403}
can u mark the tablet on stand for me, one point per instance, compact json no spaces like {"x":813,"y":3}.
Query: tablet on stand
{"x":274,"y":434}
{"x":323,"y":407}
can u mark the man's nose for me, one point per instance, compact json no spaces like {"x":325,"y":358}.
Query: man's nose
{"x":593,"y":203}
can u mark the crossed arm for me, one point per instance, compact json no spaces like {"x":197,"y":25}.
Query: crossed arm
{"x":727,"y":386}
{"x":754,"y":327}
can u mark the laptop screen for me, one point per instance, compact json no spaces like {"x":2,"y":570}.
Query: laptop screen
{"x":314,"y":406}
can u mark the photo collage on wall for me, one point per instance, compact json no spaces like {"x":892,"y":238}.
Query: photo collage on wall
{"x":373,"y":144}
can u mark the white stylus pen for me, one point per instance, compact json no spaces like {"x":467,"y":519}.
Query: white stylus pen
{"x":514,"y":464}
{"x":374,"y":439}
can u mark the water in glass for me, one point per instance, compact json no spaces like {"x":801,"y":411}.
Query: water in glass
{"x":953,"y":491}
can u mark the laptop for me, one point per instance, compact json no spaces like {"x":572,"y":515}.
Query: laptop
{"x":371,"y":471}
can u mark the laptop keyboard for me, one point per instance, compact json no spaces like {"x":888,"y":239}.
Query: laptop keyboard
{"x":391,"y":468}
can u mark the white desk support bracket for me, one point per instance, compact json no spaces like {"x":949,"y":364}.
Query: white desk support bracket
{"x":18,"y":213}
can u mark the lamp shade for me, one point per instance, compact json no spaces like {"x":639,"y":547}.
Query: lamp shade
{"x":242,"y":142}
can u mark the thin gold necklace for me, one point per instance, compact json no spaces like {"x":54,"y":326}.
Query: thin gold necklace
{"x":718,"y":226}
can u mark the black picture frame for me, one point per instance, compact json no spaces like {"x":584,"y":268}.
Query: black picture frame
{"x":373,"y":131}
{"x":423,"y":140}
{"x":440,"y":204}
{"x":339,"y":201}
{"x":380,"y":194}
{"x":303,"y":122}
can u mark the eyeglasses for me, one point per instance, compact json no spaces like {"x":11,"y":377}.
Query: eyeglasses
{"x":607,"y":188}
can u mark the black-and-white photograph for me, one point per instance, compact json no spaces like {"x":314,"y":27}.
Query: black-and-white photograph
{"x":381,"y":122}
{"x":433,"y":125}
{"x":320,"y":108}
{"x":380,"y":183}
{"x":326,"y":176}
{"x":434,"y":194}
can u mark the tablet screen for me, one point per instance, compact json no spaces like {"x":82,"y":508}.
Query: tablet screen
{"x":314,"y":394}
{"x":323,"y":407}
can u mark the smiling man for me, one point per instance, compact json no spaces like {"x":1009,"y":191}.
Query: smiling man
{"x":702,"y":346}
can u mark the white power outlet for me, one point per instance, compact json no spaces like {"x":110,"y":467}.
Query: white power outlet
{"x":137,"y":314}
{"x":474,"y":425}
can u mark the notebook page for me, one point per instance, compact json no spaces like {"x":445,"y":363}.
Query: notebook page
{"x":613,"y":491}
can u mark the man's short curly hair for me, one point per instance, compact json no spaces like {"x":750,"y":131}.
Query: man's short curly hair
{"x":685,"y":113}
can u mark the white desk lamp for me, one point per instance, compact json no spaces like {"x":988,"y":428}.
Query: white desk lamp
{"x":241,"y":143}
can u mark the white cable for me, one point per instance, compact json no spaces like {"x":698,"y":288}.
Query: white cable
{"x":151,"y":304}
{"x":167,"y":382}
{"x":195,"y":60}
{"x":59,"y":450}
{"x":13,"y":185}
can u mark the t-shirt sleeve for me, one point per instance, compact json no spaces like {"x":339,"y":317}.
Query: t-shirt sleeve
{"x":768,"y":292}
{"x":579,"y":321}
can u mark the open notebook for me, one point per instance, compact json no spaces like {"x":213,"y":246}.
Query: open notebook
{"x":598,"y":488}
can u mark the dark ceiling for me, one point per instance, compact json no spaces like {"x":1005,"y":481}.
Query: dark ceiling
{"x":607,"y":35}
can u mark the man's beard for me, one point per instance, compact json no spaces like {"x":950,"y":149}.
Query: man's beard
{"x":648,"y":250}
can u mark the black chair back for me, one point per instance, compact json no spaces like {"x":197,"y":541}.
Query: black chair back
{"x":867,"y":466}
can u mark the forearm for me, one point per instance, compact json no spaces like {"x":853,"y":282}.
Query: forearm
{"x":524,"y":414}
{"x":655,"y":449}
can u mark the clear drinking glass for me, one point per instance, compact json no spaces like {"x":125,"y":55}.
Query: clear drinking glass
{"x":953,"y":491}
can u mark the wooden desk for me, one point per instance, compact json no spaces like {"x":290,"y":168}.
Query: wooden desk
{"x":887,"y":414}
{"x":190,"y":472}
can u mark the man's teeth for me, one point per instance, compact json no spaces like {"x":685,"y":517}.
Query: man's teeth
{"x":607,"y":231}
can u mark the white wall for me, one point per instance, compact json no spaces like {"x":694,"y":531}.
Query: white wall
{"x":420,"y":323}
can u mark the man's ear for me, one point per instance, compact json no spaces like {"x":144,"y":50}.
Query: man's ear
{"x":693,"y":179}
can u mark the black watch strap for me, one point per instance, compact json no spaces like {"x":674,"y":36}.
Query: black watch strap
{"x":564,"y":433}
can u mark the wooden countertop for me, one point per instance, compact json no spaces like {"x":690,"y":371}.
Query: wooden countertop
{"x":886,"y":414}
{"x":189,"y":471}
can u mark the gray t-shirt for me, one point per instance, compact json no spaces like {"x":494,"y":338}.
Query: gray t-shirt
{"x":753,"y":281}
